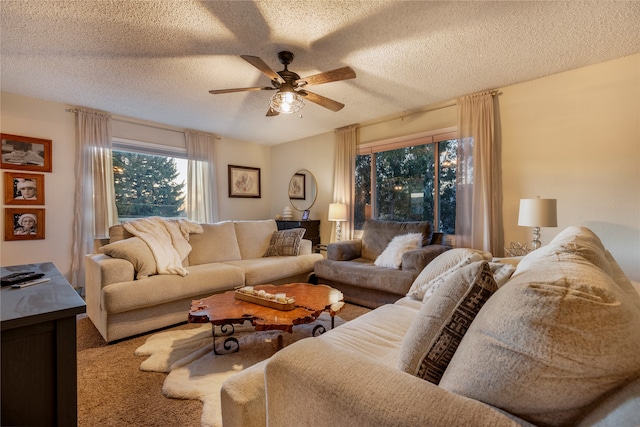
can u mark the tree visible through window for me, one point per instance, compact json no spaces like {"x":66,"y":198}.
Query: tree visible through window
{"x":412,"y":183}
{"x":148,"y":185}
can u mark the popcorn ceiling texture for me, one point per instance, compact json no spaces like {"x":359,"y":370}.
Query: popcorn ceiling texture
{"x":157,"y":60}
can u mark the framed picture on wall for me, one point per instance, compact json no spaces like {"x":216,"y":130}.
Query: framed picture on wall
{"x":23,"y":224}
{"x":297,"y":186}
{"x":25,"y":153}
{"x":21,"y":188}
{"x":244,"y":181}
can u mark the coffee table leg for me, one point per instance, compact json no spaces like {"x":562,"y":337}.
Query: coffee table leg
{"x":231,"y":344}
{"x":318,"y":330}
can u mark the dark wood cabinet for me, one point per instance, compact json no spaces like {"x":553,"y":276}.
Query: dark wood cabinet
{"x":312,"y":226}
{"x":39,"y":363}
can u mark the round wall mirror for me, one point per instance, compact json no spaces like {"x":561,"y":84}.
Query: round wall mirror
{"x":303,"y":190}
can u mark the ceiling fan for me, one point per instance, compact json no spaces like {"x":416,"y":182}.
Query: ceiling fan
{"x":290,"y":94}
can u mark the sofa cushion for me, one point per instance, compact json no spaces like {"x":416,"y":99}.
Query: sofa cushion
{"x":444,"y":318}
{"x":377,"y":234}
{"x":216,"y":243}
{"x":391,"y":257}
{"x":285,"y":242}
{"x":444,"y":264}
{"x":549,"y":344}
{"x":502,"y":272}
{"x":117,"y":233}
{"x":254,"y":237}
{"x":267,"y":270}
{"x":136,"y":252}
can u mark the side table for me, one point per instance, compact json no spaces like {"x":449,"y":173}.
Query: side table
{"x":312,"y":226}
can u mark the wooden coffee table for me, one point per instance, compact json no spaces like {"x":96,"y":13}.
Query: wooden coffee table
{"x":225,"y":310}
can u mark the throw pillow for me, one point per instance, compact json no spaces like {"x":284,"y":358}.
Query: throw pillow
{"x":436,"y":332}
{"x":501,"y":272}
{"x":285,"y":243}
{"x":445,"y":263}
{"x":391,"y":257}
{"x":549,"y":344}
{"x":136,"y":252}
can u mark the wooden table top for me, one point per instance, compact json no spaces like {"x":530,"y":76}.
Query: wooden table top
{"x":311,"y":301}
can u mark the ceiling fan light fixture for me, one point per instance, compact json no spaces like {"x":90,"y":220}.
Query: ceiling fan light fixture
{"x":286,"y":102}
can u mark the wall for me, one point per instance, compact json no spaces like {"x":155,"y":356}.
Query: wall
{"x":42,"y":119}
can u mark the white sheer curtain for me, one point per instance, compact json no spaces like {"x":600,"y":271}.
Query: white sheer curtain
{"x":344,"y":176}
{"x":479,"y":189}
{"x":94,"y":207}
{"x":202,"y":205}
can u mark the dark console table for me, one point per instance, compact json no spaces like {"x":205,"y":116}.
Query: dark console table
{"x":39,"y":368}
{"x":312,"y":226}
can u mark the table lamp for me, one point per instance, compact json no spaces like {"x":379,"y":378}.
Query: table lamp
{"x":337,"y":213}
{"x":538,"y":213}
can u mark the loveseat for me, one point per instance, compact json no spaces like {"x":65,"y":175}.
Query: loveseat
{"x":354,"y":267}
{"x":554,"y":340}
{"x":125,"y":297}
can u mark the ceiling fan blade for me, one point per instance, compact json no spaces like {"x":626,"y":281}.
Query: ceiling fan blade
{"x":321,"y":100}
{"x":271,"y":112}
{"x":262,"y":66}
{"x":240,"y":89}
{"x":338,"y":74}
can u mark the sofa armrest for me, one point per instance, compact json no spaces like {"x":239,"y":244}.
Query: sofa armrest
{"x":417,"y":259}
{"x":345,"y":250}
{"x":103,"y":270}
{"x":316,"y":383}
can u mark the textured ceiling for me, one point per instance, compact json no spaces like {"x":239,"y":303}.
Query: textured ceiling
{"x":157,"y":60}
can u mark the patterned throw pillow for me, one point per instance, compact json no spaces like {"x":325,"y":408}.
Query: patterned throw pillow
{"x":285,"y":243}
{"x":136,"y":252}
{"x":436,"y":332}
{"x":391,"y":257}
{"x":444,"y":264}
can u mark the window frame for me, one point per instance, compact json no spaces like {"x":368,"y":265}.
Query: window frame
{"x":423,"y":138}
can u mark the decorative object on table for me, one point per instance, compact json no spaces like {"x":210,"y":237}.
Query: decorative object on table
{"x":23,"y":224}
{"x":287,"y":213}
{"x":23,"y":188}
{"x":305,"y":215}
{"x":337,"y":213}
{"x":538,"y":213}
{"x":25,"y":153}
{"x":279,"y":301}
{"x":244,"y":181}
{"x":278,"y":217}
{"x":297,"y":186}
{"x":517,"y":249}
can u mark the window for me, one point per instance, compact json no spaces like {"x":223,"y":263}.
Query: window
{"x":408,"y":179}
{"x":149,"y":181}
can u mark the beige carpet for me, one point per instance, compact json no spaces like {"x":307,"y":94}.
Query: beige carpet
{"x":114,"y":391}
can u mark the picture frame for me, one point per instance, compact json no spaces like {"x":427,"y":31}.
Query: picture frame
{"x":305,"y":214}
{"x":297,"y":187}
{"x":244,"y":181}
{"x":25,"y":153}
{"x":22,"y":188}
{"x":24,"y":224}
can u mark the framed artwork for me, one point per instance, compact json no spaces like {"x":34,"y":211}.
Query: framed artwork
{"x":23,"y":224}
{"x":305,"y":214}
{"x":297,"y":186}
{"x":244,"y":181}
{"x":22,"y":188}
{"x":25,"y":153}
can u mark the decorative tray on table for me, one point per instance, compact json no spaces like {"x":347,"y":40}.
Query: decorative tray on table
{"x":277,"y":301}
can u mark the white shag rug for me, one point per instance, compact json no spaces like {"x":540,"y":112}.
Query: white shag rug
{"x":195,"y":372}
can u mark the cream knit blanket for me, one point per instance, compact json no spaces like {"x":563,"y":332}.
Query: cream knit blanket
{"x":168,"y":241}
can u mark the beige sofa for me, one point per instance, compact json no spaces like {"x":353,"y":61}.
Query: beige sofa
{"x":226,"y":255}
{"x":558,"y":343}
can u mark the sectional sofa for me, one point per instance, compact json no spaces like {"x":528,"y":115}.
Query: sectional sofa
{"x":551,"y":341}
{"x":125,"y":298}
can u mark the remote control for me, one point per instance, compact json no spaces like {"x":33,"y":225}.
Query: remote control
{"x":12,"y":279}
{"x":31,"y":282}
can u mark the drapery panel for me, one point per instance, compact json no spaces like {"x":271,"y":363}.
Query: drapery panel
{"x":94,"y":206}
{"x":479,"y":188}
{"x":344,"y":177}
{"x":201,"y":178}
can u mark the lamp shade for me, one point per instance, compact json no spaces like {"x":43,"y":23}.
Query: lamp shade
{"x":538,"y":213}
{"x":337,"y":212}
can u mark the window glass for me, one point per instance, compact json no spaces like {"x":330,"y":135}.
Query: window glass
{"x":149,"y":185}
{"x":412,"y":183}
